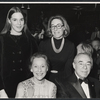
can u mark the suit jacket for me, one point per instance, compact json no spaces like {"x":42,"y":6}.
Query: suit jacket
{"x":15,"y":55}
{"x":71,"y":88}
{"x":14,"y":60}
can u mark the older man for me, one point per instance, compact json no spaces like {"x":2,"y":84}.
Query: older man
{"x":79,"y":84}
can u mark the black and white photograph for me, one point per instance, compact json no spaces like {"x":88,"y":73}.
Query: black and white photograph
{"x":50,"y":50}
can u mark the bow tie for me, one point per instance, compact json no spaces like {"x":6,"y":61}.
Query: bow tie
{"x":85,"y":80}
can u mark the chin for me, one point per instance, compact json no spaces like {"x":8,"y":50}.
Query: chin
{"x":85,"y":76}
{"x":40,"y":78}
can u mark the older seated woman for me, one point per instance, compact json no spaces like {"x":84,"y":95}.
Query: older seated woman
{"x":37,"y":86}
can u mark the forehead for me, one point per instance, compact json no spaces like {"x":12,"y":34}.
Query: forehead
{"x":83,"y":58}
{"x":56,"y":21}
{"x":17,"y":15}
{"x":40,"y":59}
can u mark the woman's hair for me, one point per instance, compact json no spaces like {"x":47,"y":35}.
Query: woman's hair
{"x":7,"y":26}
{"x":65,"y":25}
{"x":39,"y":55}
{"x":86,"y":47}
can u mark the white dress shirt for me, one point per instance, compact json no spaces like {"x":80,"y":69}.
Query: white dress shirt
{"x":85,"y":87}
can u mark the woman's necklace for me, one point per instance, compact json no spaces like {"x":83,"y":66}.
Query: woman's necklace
{"x":61,"y":46}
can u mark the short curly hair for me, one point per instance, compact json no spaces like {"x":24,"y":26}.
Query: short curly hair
{"x":38,"y":55}
{"x":65,"y":24}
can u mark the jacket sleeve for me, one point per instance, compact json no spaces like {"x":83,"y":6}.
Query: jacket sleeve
{"x":1,"y":54}
{"x":68,"y":66}
{"x":68,"y":69}
{"x":41,"y":47}
{"x":61,"y":90}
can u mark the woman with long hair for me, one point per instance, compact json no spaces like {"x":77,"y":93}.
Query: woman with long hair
{"x":17,"y":45}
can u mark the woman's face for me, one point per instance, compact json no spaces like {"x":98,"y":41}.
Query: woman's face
{"x":57,"y":28}
{"x":39,"y":68}
{"x":17,"y":22}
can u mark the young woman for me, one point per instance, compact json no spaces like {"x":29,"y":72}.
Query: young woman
{"x":16,"y":47}
{"x":37,"y":86}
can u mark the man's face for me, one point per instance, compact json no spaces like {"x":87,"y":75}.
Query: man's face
{"x":82,"y":65}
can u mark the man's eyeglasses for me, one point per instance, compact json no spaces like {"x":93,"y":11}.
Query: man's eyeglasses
{"x":58,"y":26}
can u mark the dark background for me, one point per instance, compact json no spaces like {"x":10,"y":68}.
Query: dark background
{"x":81,"y":17}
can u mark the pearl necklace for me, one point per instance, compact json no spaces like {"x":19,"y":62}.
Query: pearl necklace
{"x":61,"y":46}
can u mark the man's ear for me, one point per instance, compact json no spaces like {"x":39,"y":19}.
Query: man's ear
{"x":73,"y":65}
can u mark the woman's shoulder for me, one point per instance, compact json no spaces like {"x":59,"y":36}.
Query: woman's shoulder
{"x":52,"y":89}
{"x":2,"y":35}
{"x":68,"y":41}
{"x":46,"y":41}
{"x":27,"y":82}
{"x":49,"y":83}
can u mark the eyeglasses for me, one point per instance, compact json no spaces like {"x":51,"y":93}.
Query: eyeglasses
{"x":58,"y":26}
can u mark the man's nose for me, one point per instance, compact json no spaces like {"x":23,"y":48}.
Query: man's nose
{"x":85,"y":66}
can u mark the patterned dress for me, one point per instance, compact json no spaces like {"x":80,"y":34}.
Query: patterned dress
{"x":30,"y":89}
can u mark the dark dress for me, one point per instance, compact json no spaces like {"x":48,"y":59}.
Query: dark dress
{"x":1,"y":84}
{"x":61,"y":62}
{"x":15,"y":52}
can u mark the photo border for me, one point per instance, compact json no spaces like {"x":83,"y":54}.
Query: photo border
{"x":50,"y":2}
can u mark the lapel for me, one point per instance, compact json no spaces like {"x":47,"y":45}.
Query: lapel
{"x":91,"y":88}
{"x":75,"y":83}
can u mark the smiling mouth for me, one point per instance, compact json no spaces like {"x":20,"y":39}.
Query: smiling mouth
{"x":39,"y":74}
{"x":85,"y":72}
{"x":18,"y":26}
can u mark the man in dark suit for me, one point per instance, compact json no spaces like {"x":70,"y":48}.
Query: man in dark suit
{"x":79,"y":84}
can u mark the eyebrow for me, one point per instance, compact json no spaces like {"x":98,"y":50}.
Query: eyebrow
{"x":16,"y":17}
{"x":87,"y":62}
{"x":57,"y":24}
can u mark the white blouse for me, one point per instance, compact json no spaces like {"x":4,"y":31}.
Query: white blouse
{"x":30,"y":89}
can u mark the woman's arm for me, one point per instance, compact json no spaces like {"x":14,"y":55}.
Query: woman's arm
{"x":3,"y":94}
{"x":53,"y":91}
{"x":20,"y":91}
{"x":68,"y":70}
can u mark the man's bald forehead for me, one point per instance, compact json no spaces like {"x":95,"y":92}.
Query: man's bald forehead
{"x":82,"y":54}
